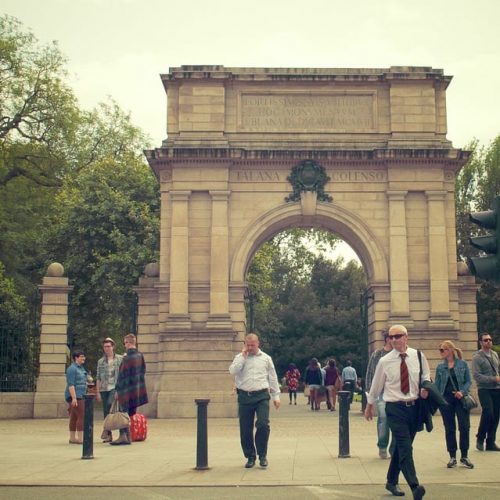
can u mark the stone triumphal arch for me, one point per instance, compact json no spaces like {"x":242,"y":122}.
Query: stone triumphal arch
{"x":253,"y":151}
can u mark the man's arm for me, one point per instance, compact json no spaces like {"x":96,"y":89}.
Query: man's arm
{"x":376,"y":389}
{"x":370,"y":370}
{"x":274,"y":386}
{"x":237,"y":364}
{"x":426,"y":371}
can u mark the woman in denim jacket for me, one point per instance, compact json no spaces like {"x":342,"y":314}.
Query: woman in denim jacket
{"x":76,"y":388}
{"x":453,"y":381}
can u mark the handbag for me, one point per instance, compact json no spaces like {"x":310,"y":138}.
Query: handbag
{"x":467,"y":400}
{"x":116,"y":419}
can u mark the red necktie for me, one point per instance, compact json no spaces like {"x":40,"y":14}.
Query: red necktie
{"x":405,"y":380}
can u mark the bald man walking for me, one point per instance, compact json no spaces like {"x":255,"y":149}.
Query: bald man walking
{"x":256,"y":383}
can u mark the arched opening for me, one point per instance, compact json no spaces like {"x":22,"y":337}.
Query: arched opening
{"x":324,"y":312}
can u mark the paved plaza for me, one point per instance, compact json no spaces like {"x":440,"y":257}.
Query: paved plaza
{"x":303,"y":456}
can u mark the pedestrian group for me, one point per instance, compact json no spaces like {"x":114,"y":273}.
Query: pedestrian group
{"x":398,"y":387}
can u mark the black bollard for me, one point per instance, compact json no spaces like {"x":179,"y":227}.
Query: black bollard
{"x":88,"y":428}
{"x":344,"y":424}
{"x":202,"y":436}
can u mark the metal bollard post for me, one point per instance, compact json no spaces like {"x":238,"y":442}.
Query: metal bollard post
{"x":202,"y":436}
{"x":88,"y":428}
{"x":344,"y":424}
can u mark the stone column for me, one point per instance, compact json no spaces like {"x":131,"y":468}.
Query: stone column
{"x":51,"y":382}
{"x":148,"y":331}
{"x":219,"y":262}
{"x":165,"y":231}
{"x":398,"y":257}
{"x":178,"y":317}
{"x":439,"y":313}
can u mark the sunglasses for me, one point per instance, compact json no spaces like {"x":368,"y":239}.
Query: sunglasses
{"x":396,"y":337}
{"x":487,"y":340}
{"x":442,"y":350}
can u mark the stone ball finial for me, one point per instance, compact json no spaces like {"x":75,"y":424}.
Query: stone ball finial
{"x":55,"y":270}
{"x":152,"y":270}
{"x":463,"y":269}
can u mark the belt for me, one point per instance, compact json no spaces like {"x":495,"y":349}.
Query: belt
{"x":251,"y":393}
{"x":403,"y":403}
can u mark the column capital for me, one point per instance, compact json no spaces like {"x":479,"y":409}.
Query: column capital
{"x":219,"y":195}
{"x":436,"y":195}
{"x":396,"y":195}
{"x":180,"y":195}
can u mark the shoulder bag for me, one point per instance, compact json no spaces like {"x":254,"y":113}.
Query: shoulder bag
{"x":116,"y":419}
{"x":467,"y":400}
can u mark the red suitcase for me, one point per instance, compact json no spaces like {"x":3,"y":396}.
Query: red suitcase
{"x":138,"y":427}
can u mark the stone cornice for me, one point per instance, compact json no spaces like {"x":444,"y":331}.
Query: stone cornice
{"x":352,"y":75}
{"x":164,"y":157}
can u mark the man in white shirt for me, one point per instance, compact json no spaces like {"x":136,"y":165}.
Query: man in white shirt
{"x":397,"y":377}
{"x":256,"y":383}
{"x":349,"y":379}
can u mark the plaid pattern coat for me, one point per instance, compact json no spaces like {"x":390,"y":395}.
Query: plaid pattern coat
{"x":131,"y":384}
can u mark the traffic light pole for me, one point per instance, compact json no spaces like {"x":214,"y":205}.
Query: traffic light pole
{"x":487,"y":267}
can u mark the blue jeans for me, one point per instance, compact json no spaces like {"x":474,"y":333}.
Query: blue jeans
{"x":383,"y":431}
{"x":107,"y":398}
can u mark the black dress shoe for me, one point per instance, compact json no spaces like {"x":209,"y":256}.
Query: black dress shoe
{"x":480,"y":445}
{"x":492,"y":447}
{"x":394,"y":489}
{"x":263,"y":462}
{"x":418,"y":492}
{"x":250,"y":463}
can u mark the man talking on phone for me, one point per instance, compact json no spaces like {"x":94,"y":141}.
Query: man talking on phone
{"x":256,"y":383}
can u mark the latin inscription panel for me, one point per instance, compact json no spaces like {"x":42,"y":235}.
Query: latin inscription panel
{"x":305,"y":112}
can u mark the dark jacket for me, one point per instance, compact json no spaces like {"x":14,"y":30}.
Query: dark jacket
{"x":314,"y":377}
{"x":427,"y":407}
{"x":131,"y":384}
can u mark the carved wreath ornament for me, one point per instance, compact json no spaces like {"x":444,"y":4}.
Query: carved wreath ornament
{"x":308,"y":176}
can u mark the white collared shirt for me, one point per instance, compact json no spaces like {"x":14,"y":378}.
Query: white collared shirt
{"x":387,"y":377}
{"x":255,"y":372}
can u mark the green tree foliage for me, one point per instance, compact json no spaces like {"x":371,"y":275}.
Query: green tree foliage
{"x":477,"y":184}
{"x":74,"y":188}
{"x":303,"y":304}
{"x":37,"y":109}
{"x":105,"y":232}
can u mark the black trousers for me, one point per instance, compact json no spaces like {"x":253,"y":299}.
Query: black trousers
{"x":402,"y":421}
{"x":448,"y":413}
{"x":350,"y":385}
{"x":254,"y":408}
{"x":490,"y":405}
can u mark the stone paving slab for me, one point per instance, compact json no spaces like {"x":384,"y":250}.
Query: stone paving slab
{"x":303,"y":450}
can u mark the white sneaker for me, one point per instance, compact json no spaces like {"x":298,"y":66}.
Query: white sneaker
{"x":382,"y":453}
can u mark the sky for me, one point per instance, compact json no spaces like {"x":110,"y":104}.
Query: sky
{"x":119,"y":48}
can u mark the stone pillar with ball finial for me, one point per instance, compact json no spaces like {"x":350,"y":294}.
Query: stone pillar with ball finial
{"x":51,"y":382}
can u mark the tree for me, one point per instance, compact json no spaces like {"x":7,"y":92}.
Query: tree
{"x":106,"y":231}
{"x":38,"y":111}
{"x":304,"y":305}
{"x":74,"y":188}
